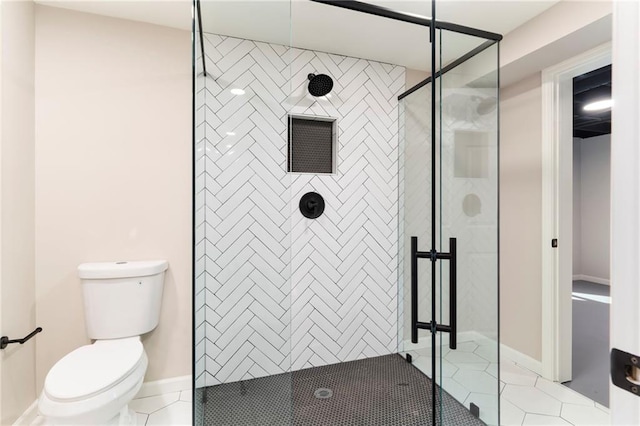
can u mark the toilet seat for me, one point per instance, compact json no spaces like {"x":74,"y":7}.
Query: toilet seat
{"x":93,"y":369}
{"x":101,"y":394}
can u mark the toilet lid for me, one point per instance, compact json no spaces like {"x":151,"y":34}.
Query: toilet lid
{"x":93,"y":368}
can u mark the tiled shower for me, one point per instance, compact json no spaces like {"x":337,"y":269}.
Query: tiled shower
{"x":296,"y":318}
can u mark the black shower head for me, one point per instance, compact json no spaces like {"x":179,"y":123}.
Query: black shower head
{"x":320,"y":84}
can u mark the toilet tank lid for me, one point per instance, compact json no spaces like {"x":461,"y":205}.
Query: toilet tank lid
{"x":123,"y":269}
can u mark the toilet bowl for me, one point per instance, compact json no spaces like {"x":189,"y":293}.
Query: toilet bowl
{"x":93,"y":384}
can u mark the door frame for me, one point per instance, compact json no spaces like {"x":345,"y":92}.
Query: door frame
{"x":625,"y":201}
{"x":557,"y":207}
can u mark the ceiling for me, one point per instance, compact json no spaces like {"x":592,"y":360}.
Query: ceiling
{"x":325,"y":28}
{"x":321,"y":27}
{"x":168,"y":13}
{"x":590,"y":87}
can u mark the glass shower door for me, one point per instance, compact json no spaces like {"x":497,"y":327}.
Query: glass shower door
{"x":462,"y":306}
{"x":468,"y":225}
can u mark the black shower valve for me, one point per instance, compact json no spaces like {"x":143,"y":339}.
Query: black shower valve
{"x":311,"y":205}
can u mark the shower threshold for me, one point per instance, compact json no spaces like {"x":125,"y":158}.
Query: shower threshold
{"x":381,"y":391}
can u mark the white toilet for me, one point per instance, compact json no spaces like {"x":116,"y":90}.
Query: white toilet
{"x":94,"y":384}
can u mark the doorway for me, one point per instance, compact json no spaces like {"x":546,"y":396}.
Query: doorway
{"x":591,"y":234}
{"x":557,"y":210}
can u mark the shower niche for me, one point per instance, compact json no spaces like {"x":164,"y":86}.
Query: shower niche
{"x":312,"y":144}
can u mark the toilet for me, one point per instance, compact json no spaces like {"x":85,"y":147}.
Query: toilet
{"x":94,"y":384}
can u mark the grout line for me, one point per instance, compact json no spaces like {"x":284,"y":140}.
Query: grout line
{"x":146,"y":419}
{"x":162,"y":408}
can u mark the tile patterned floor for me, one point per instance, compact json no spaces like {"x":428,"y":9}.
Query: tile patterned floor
{"x":378,"y":391}
{"x":169,"y":409}
{"x":469,"y":375}
{"x":166,"y":409}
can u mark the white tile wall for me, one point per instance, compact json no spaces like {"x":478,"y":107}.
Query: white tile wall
{"x":277,"y":291}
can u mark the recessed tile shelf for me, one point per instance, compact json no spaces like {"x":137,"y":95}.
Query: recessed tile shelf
{"x":312,"y":144}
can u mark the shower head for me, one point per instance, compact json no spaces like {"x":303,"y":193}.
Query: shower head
{"x":319,"y":84}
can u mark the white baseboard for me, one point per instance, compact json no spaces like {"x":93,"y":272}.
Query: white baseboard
{"x":29,"y":416}
{"x":158,"y":387}
{"x":521,"y":359}
{"x":581,"y":277}
{"x":506,"y":352}
{"x":425,"y":343}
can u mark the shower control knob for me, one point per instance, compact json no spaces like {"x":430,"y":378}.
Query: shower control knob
{"x":311,"y":205}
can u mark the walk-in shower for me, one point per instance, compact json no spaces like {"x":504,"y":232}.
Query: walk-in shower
{"x":381,"y":307}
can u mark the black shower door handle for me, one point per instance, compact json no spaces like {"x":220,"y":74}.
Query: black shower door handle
{"x":453,"y":293}
{"x":434,"y":256}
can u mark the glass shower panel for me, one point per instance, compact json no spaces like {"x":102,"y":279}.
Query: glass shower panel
{"x":415,"y":224}
{"x":415,"y":218}
{"x":419,"y":165}
{"x":466,"y":207}
{"x":242,"y":233}
{"x":198,"y":206}
{"x":468,"y":210}
{"x":344,"y":263}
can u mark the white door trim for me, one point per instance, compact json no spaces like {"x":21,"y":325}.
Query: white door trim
{"x":557,"y":189}
{"x":625,"y":200}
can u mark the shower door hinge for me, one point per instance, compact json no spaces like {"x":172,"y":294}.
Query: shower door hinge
{"x":475,"y":410}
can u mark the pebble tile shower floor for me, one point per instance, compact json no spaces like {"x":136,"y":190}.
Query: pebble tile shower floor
{"x":380,"y":391}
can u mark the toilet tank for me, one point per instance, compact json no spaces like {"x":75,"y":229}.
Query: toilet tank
{"x":122,"y":299}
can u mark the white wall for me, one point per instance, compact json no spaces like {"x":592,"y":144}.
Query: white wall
{"x":413,"y":77}
{"x":592,"y":247}
{"x":17,"y":287}
{"x":564,"y":30}
{"x":113,"y":172}
{"x":520,"y":217}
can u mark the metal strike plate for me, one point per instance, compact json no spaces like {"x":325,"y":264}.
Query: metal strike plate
{"x":625,"y":371}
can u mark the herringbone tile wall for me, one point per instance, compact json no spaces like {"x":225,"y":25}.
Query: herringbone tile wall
{"x":275,"y":291}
